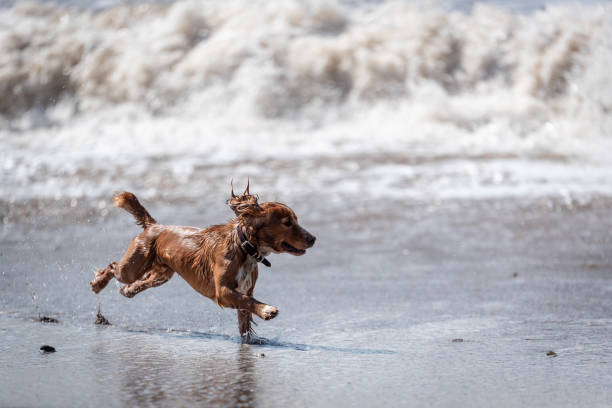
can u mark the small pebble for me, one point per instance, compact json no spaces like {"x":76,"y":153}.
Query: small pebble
{"x":457,"y":340}
{"x":47,"y":319}
{"x":551,"y":353}
{"x":262,"y":355}
{"x":101,"y":320}
{"x":47,"y":349}
{"x":592,"y":265}
{"x":515,"y":275}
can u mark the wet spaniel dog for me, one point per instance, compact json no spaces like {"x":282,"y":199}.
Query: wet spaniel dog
{"x":220,"y":261}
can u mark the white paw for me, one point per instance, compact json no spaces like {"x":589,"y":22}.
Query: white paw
{"x":269,"y":312}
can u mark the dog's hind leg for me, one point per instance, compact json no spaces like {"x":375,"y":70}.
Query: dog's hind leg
{"x":135,"y":262}
{"x":103,"y":276}
{"x":156,"y":276}
{"x":138,"y":258}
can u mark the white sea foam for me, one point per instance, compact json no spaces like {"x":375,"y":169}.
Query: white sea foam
{"x":390,"y":98}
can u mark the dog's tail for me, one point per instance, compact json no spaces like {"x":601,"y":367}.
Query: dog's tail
{"x":130,"y":203}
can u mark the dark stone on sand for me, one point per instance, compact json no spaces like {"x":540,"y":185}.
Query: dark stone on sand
{"x":47,"y":349}
{"x":101,"y":320}
{"x":47,"y":319}
{"x":457,"y":340}
{"x":262,"y":355}
{"x":551,"y":353}
{"x":515,"y":275}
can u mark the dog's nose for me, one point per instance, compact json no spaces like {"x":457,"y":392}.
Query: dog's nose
{"x":310,"y":239}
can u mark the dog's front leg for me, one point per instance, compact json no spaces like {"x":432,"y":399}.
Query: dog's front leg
{"x":228,"y":297}
{"x":245,"y":318}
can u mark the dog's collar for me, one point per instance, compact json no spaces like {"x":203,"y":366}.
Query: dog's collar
{"x":248,"y":247}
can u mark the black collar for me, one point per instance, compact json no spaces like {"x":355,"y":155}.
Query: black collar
{"x":249,"y":248}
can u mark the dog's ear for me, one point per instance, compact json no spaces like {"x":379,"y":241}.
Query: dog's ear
{"x":245,"y":203}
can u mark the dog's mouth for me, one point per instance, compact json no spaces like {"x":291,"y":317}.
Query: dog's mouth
{"x":292,"y":250}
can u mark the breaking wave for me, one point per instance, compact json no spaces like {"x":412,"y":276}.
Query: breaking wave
{"x":423,"y":97}
{"x":286,"y":57}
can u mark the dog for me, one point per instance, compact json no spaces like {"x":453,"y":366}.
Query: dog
{"x":220,"y":262}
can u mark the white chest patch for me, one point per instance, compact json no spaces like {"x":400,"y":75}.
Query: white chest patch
{"x":244,"y":279}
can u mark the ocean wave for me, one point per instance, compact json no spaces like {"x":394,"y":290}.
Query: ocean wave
{"x":289,"y":58}
{"x":391,"y":99}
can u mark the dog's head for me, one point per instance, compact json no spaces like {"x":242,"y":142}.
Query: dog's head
{"x":272,"y":226}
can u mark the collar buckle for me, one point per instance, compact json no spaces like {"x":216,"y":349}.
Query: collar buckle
{"x":248,"y":247}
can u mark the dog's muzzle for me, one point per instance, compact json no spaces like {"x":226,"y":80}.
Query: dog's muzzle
{"x":309,"y":238}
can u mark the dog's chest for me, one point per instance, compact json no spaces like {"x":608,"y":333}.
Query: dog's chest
{"x":244,"y":279}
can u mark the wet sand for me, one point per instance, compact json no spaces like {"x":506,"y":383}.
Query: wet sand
{"x":371,"y":316}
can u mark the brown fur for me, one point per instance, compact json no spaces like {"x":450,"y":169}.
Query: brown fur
{"x":130,"y":203}
{"x":210,"y":260}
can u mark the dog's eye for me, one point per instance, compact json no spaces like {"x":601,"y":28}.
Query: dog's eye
{"x":287,"y":223}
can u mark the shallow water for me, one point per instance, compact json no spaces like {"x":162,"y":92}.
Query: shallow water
{"x":368,"y":316}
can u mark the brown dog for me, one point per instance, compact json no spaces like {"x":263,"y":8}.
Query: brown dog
{"x":220,"y":262}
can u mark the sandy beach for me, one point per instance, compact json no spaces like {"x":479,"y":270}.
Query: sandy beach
{"x":414,"y":305}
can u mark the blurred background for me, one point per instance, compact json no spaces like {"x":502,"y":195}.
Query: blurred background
{"x":376,"y":100}
{"x":453,"y":158}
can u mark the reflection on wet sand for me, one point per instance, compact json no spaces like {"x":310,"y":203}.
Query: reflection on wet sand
{"x":260,"y":341}
{"x":149,"y":373}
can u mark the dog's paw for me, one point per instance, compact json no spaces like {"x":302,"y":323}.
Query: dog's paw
{"x":269,"y":312}
{"x":254,"y":339}
{"x":96,"y":285}
{"x":125,"y":291}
